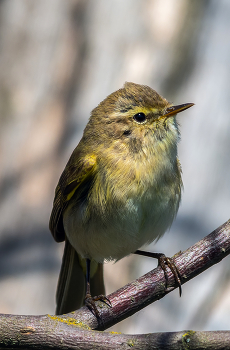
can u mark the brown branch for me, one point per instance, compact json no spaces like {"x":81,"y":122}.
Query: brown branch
{"x":74,"y":329}
{"x":62,"y":336}
{"x":151,"y":287}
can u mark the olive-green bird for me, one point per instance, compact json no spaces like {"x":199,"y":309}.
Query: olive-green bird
{"x":120,"y":189}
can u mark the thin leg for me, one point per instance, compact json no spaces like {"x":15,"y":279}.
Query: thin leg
{"x":89,"y":300}
{"x":162,"y":262}
{"x":88,"y":278}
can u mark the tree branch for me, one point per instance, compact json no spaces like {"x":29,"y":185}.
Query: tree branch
{"x":151,"y":287}
{"x":74,"y":329}
{"x":62,"y":336}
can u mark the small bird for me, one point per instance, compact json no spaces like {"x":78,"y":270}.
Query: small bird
{"x":120,"y":190}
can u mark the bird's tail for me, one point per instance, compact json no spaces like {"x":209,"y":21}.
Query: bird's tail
{"x":72,"y":282}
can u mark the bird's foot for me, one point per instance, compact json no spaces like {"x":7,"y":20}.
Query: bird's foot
{"x":90,"y":303}
{"x":162,"y":262}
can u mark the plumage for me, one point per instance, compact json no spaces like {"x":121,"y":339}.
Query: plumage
{"x":121,"y":187}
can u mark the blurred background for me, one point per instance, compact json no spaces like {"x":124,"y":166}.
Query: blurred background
{"x":58,"y":60}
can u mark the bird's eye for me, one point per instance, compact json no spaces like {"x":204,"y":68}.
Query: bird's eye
{"x":139,"y":117}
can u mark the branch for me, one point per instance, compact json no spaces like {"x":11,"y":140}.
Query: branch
{"x":151,"y":287}
{"x":62,"y":336}
{"x":74,"y":329}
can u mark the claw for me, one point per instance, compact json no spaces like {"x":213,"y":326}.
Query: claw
{"x":90,"y":303}
{"x":162,"y":262}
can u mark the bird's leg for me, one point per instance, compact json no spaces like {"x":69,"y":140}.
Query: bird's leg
{"x":162,"y":262}
{"x":89,"y":300}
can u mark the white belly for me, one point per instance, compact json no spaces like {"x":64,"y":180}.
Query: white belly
{"x":115,"y":233}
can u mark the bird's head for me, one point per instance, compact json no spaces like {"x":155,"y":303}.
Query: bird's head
{"x":136,"y":117}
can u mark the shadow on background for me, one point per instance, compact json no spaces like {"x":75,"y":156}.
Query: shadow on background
{"x":58,"y":61}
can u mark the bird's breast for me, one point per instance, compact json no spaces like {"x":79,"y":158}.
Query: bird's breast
{"x":128,"y":206}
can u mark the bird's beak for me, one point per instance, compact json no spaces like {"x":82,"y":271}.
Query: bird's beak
{"x":170,"y":111}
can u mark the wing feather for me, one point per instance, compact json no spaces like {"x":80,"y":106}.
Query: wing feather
{"x":78,"y":171}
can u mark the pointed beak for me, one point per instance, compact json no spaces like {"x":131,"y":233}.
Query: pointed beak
{"x":170,"y":111}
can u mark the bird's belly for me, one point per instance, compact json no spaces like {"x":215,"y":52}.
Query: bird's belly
{"x":117,"y":232}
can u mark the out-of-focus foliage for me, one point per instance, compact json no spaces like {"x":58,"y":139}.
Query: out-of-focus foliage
{"x":59,"y":59}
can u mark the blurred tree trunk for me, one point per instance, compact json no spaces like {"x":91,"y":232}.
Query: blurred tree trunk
{"x":59,"y":59}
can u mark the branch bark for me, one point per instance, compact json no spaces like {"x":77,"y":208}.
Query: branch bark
{"x":75,"y":329}
{"x":68,"y":337}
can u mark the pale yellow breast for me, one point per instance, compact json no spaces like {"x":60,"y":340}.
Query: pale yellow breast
{"x":132,"y":202}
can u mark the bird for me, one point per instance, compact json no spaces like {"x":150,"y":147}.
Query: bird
{"x":119,"y":191}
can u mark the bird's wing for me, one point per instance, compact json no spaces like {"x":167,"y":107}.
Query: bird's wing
{"x":77,"y":175}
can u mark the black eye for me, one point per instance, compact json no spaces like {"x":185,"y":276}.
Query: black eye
{"x":139,"y":117}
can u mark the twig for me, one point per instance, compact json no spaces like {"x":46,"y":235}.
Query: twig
{"x":74,"y":330}
{"x":151,"y":287}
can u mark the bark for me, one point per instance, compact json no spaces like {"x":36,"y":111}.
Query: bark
{"x":77,"y":329}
